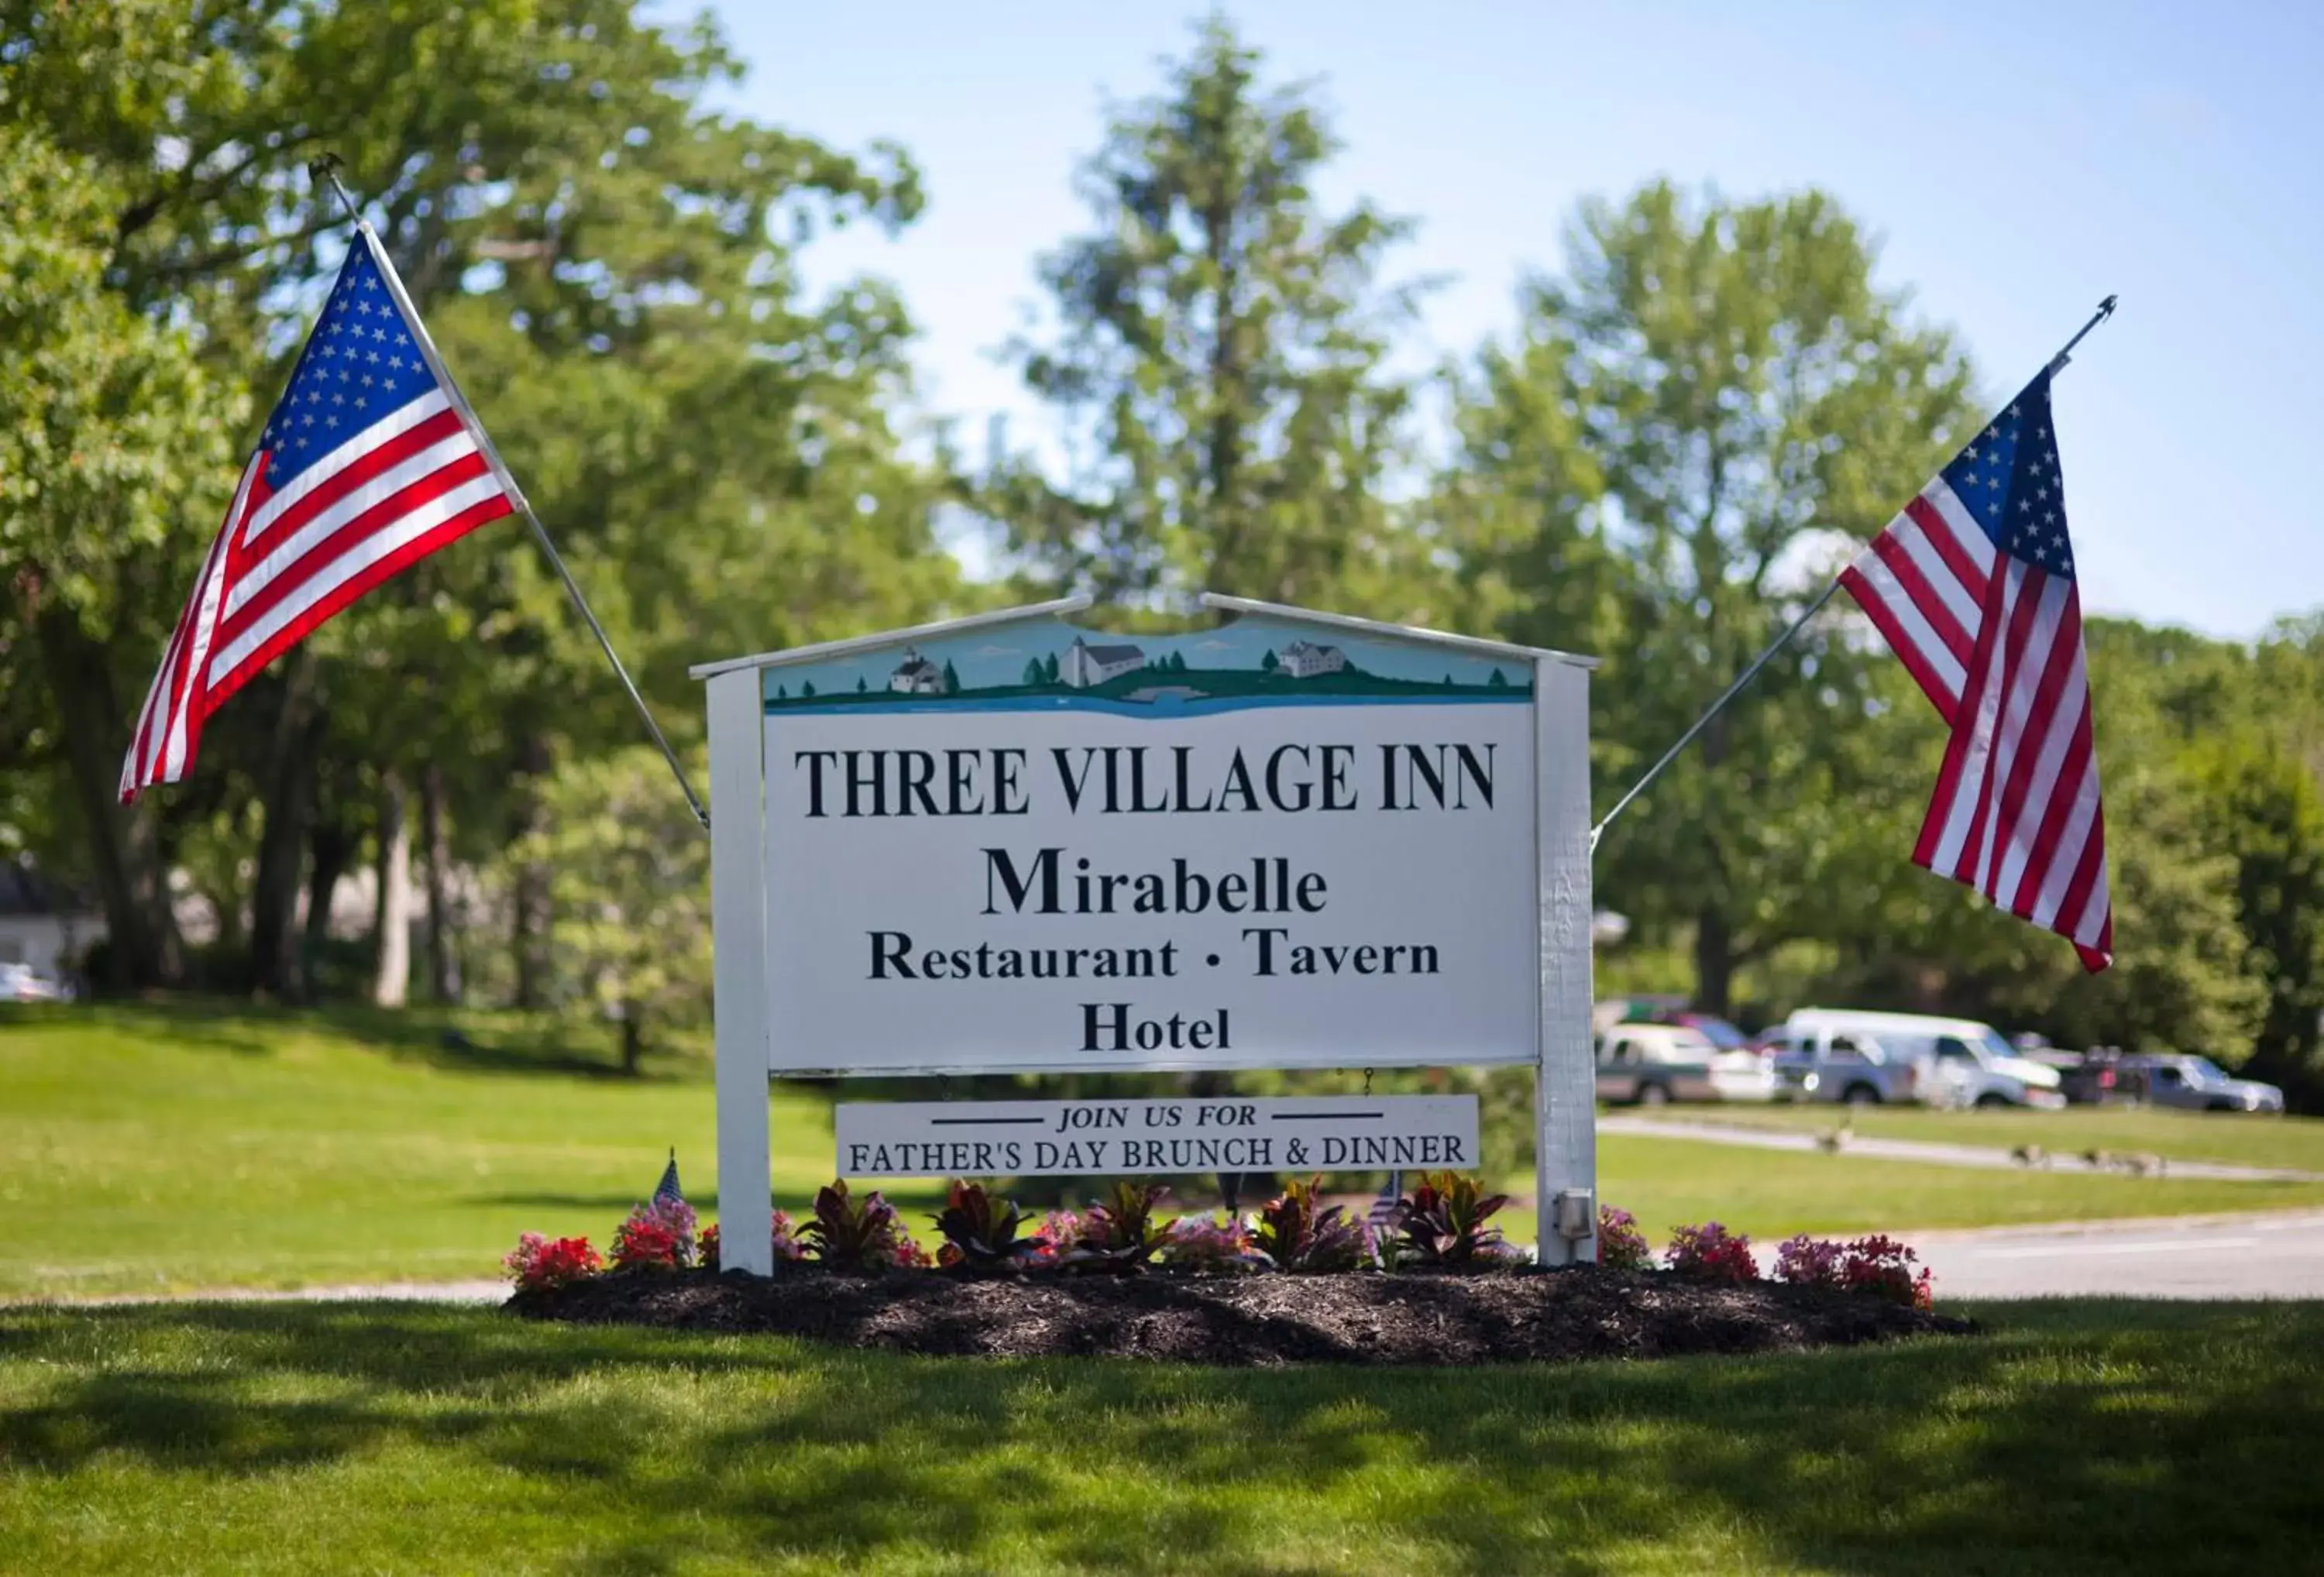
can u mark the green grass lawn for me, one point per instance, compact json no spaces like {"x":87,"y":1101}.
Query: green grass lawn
{"x":2094,"y":1437}
{"x":2291,"y":1143}
{"x":146,"y":1150}
{"x":1772,"y":1194}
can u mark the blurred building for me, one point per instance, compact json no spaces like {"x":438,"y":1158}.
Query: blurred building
{"x":43,"y":924}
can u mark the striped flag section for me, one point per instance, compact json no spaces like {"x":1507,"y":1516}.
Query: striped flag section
{"x":1973,"y":587}
{"x":1382,"y":1216}
{"x":370,"y":463}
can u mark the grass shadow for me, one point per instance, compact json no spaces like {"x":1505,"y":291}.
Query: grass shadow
{"x":2052,"y":1445}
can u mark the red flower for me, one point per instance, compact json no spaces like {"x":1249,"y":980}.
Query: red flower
{"x":643,"y":1242}
{"x":537,"y":1261}
{"x":1710,"y":1252}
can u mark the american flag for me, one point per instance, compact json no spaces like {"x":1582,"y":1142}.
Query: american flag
{"x":1973,"y":586}
{"x":668,"y":1187}
{"x":1383,"y":1212}
{"x":370,"y":463}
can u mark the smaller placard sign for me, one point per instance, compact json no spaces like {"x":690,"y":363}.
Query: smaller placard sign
{"x":1038,"y":1138}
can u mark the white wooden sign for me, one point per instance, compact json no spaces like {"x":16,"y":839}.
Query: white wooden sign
{"x":1010,"y":844}
{"x":1035,"y":1139}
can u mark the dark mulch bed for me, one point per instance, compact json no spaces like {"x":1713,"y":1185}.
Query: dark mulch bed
{"x":1250,"y":1319}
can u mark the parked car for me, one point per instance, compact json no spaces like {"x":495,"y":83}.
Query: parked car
{"x":1824,"y":1053}
{"x":1665,"y":1010}
{"x":1716,"y":1029}
{"x":2086,"y":1078}
{"x":1651,"y":1064}
{"x":2195,"y":1083}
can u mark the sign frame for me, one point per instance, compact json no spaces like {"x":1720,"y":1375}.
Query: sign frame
{"x":1155,"y":1135}
{"x":1563,"y":1057}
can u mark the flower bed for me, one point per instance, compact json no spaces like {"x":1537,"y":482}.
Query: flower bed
{"x":1244,"y":1320}
{"x":1431,"y":1282}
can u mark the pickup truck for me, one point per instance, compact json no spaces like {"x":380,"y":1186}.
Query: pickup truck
{"x":1842,"y":1067}
{"x":1874,"y":1058}
{"x":2196,"y":1084}
{"x":1651,"y":1064}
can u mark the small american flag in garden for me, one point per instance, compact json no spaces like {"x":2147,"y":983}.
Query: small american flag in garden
{"x":1382,"y":1215}
{"x":370,"y":463}
{"x":668,"y":1188}
{"x":1973,"y":587}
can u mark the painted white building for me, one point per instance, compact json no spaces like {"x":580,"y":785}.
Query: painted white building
{"x":1085,"y":665}
{"x":1303,"y":659}
{"x":915,"y":675}
{"x":43,"y":926}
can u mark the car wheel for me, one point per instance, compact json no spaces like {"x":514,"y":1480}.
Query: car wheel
{"x":2222,"y":1106}
{"x":1989,"y":1101}
{"x":1653,"y":1095}
{"x":1861,"y":1095}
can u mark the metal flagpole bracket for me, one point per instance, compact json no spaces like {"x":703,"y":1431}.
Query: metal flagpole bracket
{"x":2056,"y":364}
{"x":327,"y":168}
{"x":2105,"y":310}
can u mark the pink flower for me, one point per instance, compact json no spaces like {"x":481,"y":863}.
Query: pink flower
{"x":1622,"y":1246}
{"x":1878,"y":1266}
{"x":1710,"y":1252}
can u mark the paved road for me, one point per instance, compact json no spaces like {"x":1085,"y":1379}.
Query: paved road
{"x":1912,"y":1149}
{"x":2276,"y":1255}
{"x":2273,"y":1255}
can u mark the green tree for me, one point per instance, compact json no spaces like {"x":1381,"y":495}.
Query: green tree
{"x":2267,"y":812}
{"x":1221,"y":366}
{"x":951,"y":678}
{"x":1708,"y":395}
{"x":1049,"y":669}
{"x":632,"y":925}
{"x":607,"y":264}
{"x":1271,"y":662}
{"x":112,"y":454}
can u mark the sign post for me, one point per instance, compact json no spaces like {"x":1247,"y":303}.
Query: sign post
{"x":1010,"y":844}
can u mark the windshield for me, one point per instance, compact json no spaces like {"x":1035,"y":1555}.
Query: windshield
{"x":1994,"y":1045}
{"x":1717,"y":1031}
{"x":2204,"y":1071}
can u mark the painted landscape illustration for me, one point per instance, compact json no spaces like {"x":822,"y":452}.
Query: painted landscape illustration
{"x":1046,"y":663}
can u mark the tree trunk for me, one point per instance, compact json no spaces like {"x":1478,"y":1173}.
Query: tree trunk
{"x":529,"y":912}
{"x":1714,"y":961}
{"x":633,"y":1039}
{"x":330,"y":851}
{"x":443,"y":965}
{"x":123,"y":842}
{"x":282,"y":844}
{"x":392,"y":922}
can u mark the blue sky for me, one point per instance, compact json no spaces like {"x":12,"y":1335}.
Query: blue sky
{"x":2020,"y":161}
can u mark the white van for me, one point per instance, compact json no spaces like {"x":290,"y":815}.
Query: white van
{"x":1827,"y":1053}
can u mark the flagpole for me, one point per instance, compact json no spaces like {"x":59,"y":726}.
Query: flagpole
{"x":327,"y":168}
{"x":2057,"y":363}
{"x":1703,"y":721}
